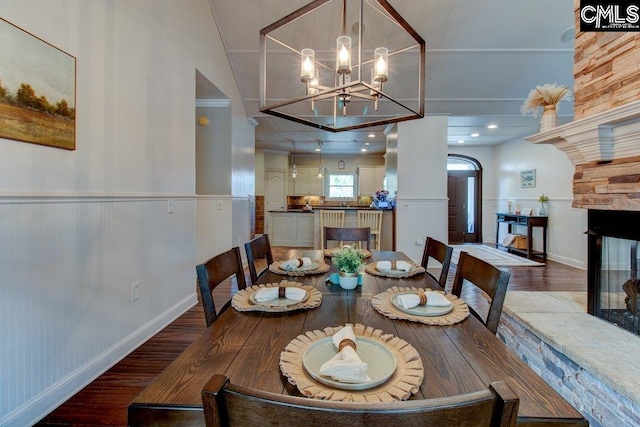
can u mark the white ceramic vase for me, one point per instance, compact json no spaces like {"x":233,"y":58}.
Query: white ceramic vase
{"x":549,"y":119}
{"x":348,"y":280}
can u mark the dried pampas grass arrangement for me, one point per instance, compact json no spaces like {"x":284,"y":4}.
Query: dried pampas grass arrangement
{"x":541,"y":96}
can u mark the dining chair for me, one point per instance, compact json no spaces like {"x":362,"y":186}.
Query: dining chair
{"x":441,"y":253}
{"x":228,"y":404}
{"x":258,"y":248}
{"x":373,"y":220}
{"x":488,"y":278}
{"x":345,"y":235}
{"x":330,"y":218}
{"x":215,"y":271}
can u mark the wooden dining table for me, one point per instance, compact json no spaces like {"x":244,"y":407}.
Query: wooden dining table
{"x":246,"y":346}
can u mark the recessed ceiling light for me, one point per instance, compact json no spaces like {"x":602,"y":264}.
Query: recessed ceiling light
{"x":367,"y":143}
{"x":461,"y":141}
{"x":372,"y":135}
{"x":492,"y":127}
{"x":363,"y":150}
{"x":475,"y":135}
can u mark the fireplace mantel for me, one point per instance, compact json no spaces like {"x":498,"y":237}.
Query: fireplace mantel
{"x":605,"y":136}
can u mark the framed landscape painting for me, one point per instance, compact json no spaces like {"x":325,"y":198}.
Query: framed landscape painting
{"x":37,"y":90}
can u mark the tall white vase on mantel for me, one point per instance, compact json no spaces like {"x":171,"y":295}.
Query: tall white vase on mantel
{"x":549,"y":119}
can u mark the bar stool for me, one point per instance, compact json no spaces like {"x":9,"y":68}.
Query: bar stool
{"x":330,"y":218}
{"x":373,"y":220}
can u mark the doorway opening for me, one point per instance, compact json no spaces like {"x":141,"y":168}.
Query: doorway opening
{"x":464,"y":189}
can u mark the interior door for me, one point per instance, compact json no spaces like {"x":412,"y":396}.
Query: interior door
{"x":274,"y":189}
{"x":464,"y":206}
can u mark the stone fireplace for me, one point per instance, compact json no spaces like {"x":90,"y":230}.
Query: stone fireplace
{"x":605,"y":150}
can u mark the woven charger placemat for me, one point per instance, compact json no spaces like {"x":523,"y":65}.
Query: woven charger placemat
{"x":404,"y":382}
{"x":415,"y":269}
{"x":332,"y":251}
{"x":275,"y":268}
{"x":382,"y":303}
{"x":241,"y":300}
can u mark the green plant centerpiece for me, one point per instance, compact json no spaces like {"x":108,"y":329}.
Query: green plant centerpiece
{"x":348,"y":260}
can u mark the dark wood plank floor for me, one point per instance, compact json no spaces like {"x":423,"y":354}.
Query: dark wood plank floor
{"x":105,"y":400}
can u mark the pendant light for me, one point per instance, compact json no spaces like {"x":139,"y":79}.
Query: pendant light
{"x":294,"y":169}
{"x":320,"y":171}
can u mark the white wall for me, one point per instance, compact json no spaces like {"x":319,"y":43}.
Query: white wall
{"x":501,"y":182}
{"x":79,"y":227}
{"x":566,"y":242}
{"x":422,"y":203}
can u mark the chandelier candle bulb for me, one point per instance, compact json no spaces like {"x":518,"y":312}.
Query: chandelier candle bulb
{"x":343,"y":53}
{"x":381,"y":57}
{"x":307,"y":65}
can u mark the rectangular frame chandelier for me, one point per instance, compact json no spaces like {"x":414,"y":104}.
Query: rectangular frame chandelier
{"x":341,"y":65}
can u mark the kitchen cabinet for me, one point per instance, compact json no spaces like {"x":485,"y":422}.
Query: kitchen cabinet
{"x":307,"y":183}
{"x":370,"y":179}
{"x":294,"y":229}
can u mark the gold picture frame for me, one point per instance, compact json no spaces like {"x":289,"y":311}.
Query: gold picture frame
{"x":37,"y":90}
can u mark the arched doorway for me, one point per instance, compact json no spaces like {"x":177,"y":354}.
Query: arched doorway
{"x":464,"y":188}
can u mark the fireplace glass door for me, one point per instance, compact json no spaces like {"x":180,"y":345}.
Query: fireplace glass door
{"x":619,"y":290}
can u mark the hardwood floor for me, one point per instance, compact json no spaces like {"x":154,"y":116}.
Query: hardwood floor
{"x":105,"y":400}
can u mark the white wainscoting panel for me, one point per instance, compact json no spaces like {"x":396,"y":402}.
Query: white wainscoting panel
{"x":66,"y":274}
{"x":241,"y":224}
{"x":213,"y":226}
{"x":418,"y":218}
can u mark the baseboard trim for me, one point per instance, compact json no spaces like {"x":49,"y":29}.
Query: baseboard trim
{"x":42,"y":404}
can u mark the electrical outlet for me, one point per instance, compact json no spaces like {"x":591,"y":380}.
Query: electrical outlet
{"x":220,"y":205}
{"x":169,"y":206}
{"x":135,"y":291}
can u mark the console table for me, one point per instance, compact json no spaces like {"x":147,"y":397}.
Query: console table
{"x":528,"y":221}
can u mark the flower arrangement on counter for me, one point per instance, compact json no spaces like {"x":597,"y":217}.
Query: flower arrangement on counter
{"x":380,"y":199}
{"x":543,"y":199}
{"x":541,"y":96}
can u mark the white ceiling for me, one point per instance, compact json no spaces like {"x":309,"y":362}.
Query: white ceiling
{"x":482,"y":59}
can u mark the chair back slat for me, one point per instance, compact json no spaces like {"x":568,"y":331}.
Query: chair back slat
{"x":346,"y":235}
{"x":258,"y":248}
{"x":215,"y":271}
{"x":441,"y":253}
{"x":227,"y":404}
{"x":488,"y":278}
{"x":373,"y":220}
{"x":330,"y":218}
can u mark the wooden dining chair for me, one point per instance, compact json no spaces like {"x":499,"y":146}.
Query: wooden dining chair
{"x":330,"y":218}
{"x":441,"y":253}
{"x":215,"y":271}
{"x":227,"y":404}
{"x":488,"y":278}
{"x":256,"y":249}
{"x":345,"y":235}
{"x":373,"y":220}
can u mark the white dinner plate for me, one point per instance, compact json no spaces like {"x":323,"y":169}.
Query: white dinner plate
{"x":379,"y":358}
{"x":278,"y":302}
{"x":421,"y":310}
{"x":311,"y":267}
{"x":392,"y":272}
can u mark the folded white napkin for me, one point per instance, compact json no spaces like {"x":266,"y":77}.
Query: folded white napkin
{"x":292,"y":264}
{"x":400,"y":265}
{"x":345,"y":366}
{"x":268,"y":294}
{"x":434,"y":299}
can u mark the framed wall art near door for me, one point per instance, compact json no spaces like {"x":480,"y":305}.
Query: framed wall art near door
{"x":528,"y":178}
{"x":37,"y":90}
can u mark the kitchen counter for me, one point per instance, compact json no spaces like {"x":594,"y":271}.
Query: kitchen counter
{"x":297,"y":228}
